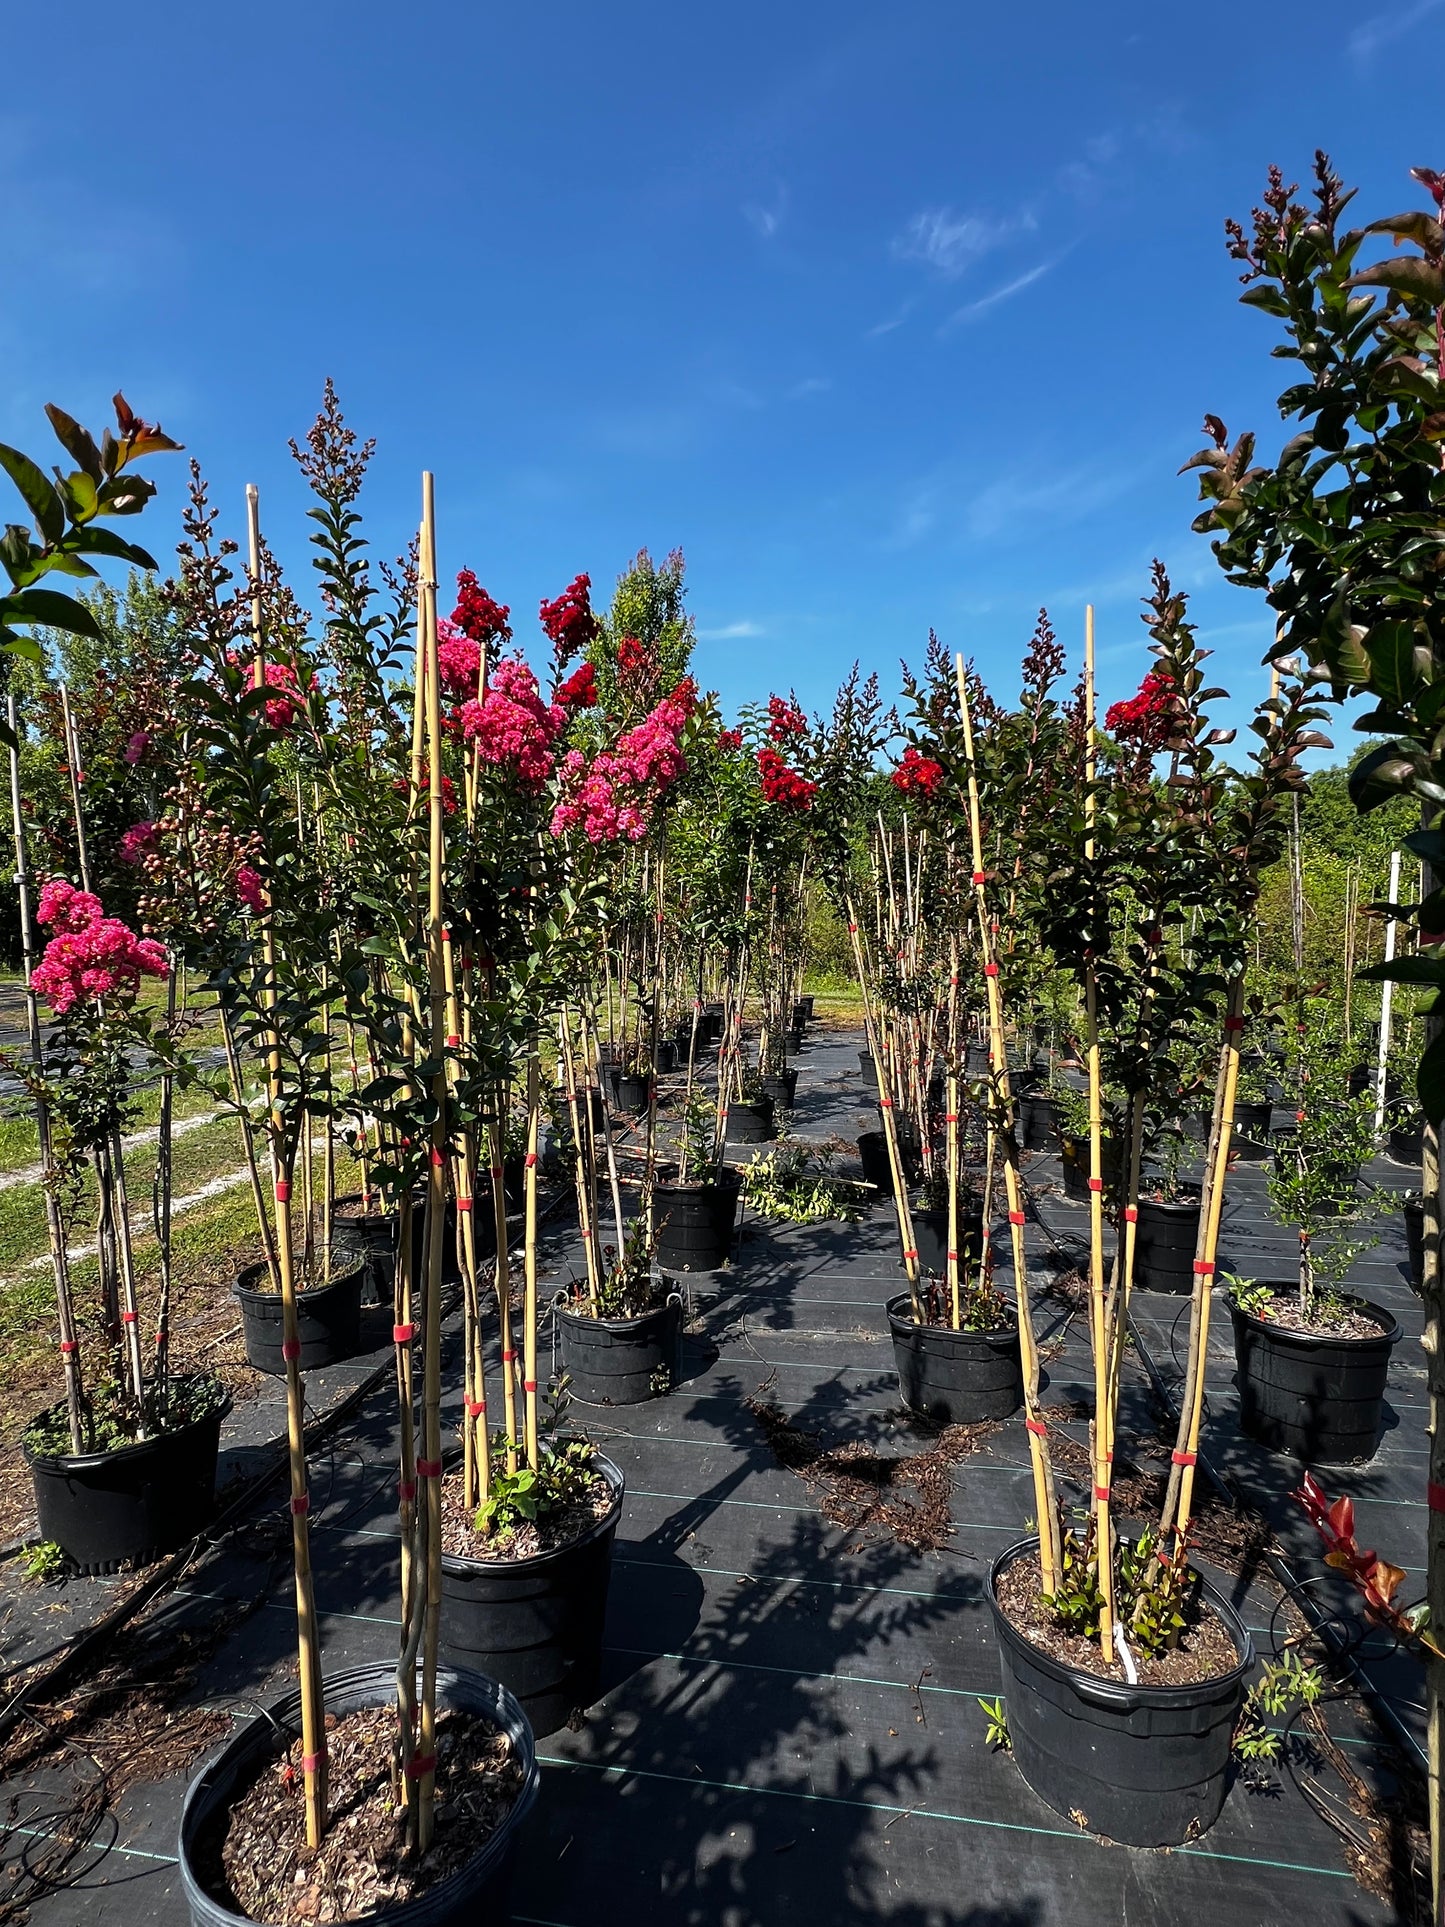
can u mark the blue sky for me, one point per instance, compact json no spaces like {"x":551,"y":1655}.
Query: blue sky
{"x":890,"y":316}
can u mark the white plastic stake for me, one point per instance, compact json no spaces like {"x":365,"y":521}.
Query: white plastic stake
{"x":1385,"y":1002}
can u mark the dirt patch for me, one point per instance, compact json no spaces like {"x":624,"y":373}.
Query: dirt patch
{"x":898,"y":1496}
{"x":1205,"y":1650}
{"x":1284,"y":1314}
{"x":557,"y":1528}
{"x":363,"y":1863}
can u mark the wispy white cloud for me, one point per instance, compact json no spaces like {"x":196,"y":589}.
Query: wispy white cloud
{"x":1382,"y":28}
{"x":950,"y":243}
{"x":890,"y":322}
{"x":765,"y":218}
{"x":731,"y":632}
{"x":810,"y":385}
{"x":971,"y":310}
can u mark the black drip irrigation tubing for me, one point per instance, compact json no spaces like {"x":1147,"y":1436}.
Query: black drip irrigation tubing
{"x":86,"y":1646}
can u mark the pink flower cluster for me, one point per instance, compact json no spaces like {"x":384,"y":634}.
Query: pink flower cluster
{"x":91,"y":956}
{"x":569,"y":620}
{"x":137,"y":747}
{"x":610,"y":798}
{"x":459,"y":660}
{"x":287,"y":703}
{"x":250,"y":891}
{"x":512,"y":727}
{"x":137,"y":843}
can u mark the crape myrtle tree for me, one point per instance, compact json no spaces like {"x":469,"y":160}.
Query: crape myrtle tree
{"x":1342,"y":531}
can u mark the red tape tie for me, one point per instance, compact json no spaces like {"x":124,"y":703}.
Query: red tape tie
{"x":475,"y":1407}
{"x":402,"y":1334}
{"x":1234,"y":1023}
{"x":420,"y":1764}
{"x":1101,"y":1493}
{"x":128,"y":1317}
{"x":454,"y":1042}
{"x":1203,"y":1267}
{"x":311,"y":1761}
{"x":953,"y":1257}
{"x":283,"y":1191}
{"x":300,"y":1507}
{"x":531,"y":1160}
{"x":428,"y":1468}
{"x":1185,"y":1458}
{"x":910,"y":1257}
{"x":1131,"y":1215}
{"x":69,"y":1345}
{"x":1435,"y":1497}
{"x":1096,"y":1184}
{"x":464,"y":1204}
{"x":1037,"y":1427}
{"x":980,"y":876}
{"x":1016,"y":1217}
{"x":951,"y":1117}
{"x":509,"y":1358}
{"x":290,"y":1348}
{"x":529,"y":1384}
{"x":406,"y":1491}
{"x":990,"y":970}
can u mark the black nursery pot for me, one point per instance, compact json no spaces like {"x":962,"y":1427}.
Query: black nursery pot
{"x":1147,"y":1766}
{"x":1250,"y":1138}
{"x":621,"y":1361}
{"x":1076,"y":1167}
{"x":1039,"y":1123}
{"x":328,"y":1320}
{"x":476,"y":1891}
{"x":1317,"y":1397}
{"x":802,"y":1012}
{"x":782,"y":1088}
{"x":1165,"y":1240}
{"x":369,"y":1240}
{"x":873,"y":1152}
{"x":665,"y":1057}
{"x":976,"y":1061}
{"x":694,"y":1223}
{"x":630,"y":1092}
{"x":750,"y":1123}
{"x":866,"y":1066}
{"x":111,"y":1509}
{"x":536,"y":1624}
{"x":1407,"y":1144}
{"x":1414,"y":1210}
{"x":930,"y":1236}
{"x":955,"y":1378}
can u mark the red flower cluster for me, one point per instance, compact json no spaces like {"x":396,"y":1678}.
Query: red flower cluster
{"x":512,"y":727}
{"x":918,"y":775}
{"x":784,"y":785}
{"x":1377,"y":1581}
{"x":611,"y":797}
{"x":569,"y":620}
{"x":477,"y":615}
{"x":580,"y":689}
{"x":137,"y":843}
{"x":729,"y":740}
{"x":785,"y":720}
{"x":250,"y":891}
{"x":636,"y":665}
{"x":449,"y":790}
{"x":1147,"y":718}
{"x":91,"y":956}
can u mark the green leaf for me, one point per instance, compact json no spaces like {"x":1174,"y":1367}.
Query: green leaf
{"x":54,"y":610}
{"x":107,"y":542}
{"x":1379,"y":777}
{"x":1404,"y":970}
{"x":1394,"y":672}
{"x":40,"y":495}
{"x":76,"y":441}
{"x":1407,"y":274}
{"x":1265,"y":295}
{"x":26,"y":647}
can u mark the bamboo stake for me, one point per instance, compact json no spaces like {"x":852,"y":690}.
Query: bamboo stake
{"x":283,"y":1151}
{"x":529,"y":1260}
{"x":1046,"y":1508}
{"x":55,"y":1230}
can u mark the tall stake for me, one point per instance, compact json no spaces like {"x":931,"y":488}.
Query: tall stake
{"x":1046,"y":1507}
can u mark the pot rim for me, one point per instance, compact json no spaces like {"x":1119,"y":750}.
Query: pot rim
{"x":249,"y":1292}
{"x":1118,"y":1694}
{"x":89,"y":1461}
{"x":1391,"y":1330}
{"x":284,"y":1711}
{"x":619,"y":1324}
{"x":461,"y":1562}
{"x":898,"y":1323}
{"x":1181,"y":1205}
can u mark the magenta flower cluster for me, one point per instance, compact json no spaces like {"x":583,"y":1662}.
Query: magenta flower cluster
{"x":609,"y":799}
{"x":512,"y":727}
{"x":459,"y":660}
{"x":91,"y":956}
{"x":137,"y":843}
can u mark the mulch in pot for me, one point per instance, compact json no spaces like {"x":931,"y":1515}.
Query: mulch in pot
{"x":556,"y":1528}
{"x":1205,"y":1650}
{"x":363,"y":1863}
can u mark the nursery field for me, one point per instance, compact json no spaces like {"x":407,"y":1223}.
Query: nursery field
{"x":796,"y":1641}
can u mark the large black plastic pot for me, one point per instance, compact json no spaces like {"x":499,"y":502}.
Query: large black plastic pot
{"x":976,"y":1061}
{"x":1076,"y":1167}
{"x":793,"y":1040}
{"x":955,"y":1378}
{"x":1165,"y":1240}
{"x":694,"y":1223}
{"x":111,"y":1509}
{"x":930,"y":1237}
{"x":621,"y":1361}
{"x":536,"y":1624}
{"x":369,"y":1239}
{"x":1407,"y":1143}
{"x":1414,"y":1210}
{"x":873,"y":1153}
{"x":782,"y":1088}
{"x":802,"y":1012}
{"x":1317,"y":1397}
{"x":477,"y":1891}
{"x":750,"y":1123}
{"x":627,"y":1090}
{"x":328,"y":1320}
{"x":866,"y":1066}
{"x":1039,"y":1123}
{"x":1250,"y":1137}
{"x":665,"y":1057}
{"x":1147,"y":1766}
